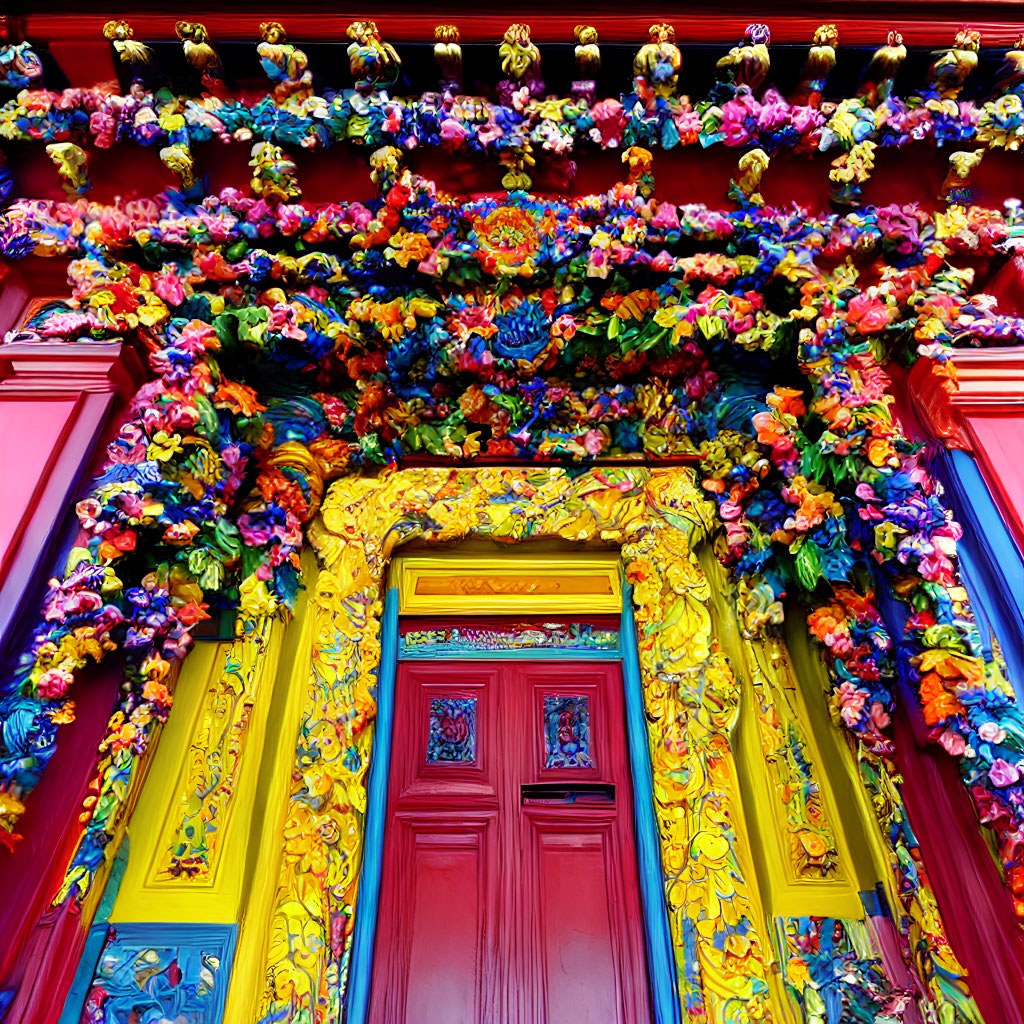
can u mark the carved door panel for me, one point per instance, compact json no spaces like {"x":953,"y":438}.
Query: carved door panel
{"x":509,"y":888}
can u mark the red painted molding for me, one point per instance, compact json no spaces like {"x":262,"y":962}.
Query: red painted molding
{"x":55,"y":402}
{"x":927,"y":396}
{"x":50,"y":958}
{"x":975,"y":908}
{"x":34,"y":871}
{"x":980,"y":411}
{"x":35,"y":370}
{"x":1007,"y":285}
{"x":101,"y":367}
{"x":921,"y":22}
{"x":989,"y":379}
{"x":75,"y":40}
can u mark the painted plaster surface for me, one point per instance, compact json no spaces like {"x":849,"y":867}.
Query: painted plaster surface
{"x":703,"y":376}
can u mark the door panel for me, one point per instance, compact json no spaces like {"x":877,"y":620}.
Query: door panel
{"x":580,"y":968}
{"x":447,"y":924}
{"x":439,"y":919}
{"x":509,"y":888}
{"x":451,"y":737}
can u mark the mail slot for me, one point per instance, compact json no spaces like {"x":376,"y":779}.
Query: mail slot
{"x":567,"y":792}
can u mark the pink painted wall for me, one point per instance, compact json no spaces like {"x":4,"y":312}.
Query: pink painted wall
{"x":31,"y":432}
{"x":57,"y":403}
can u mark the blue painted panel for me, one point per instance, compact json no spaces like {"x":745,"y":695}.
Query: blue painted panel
{"x":149,"y":973}
{"x":660,"y":956}
{"x":990,"y":561}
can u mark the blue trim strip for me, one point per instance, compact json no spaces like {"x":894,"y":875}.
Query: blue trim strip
{"x":660,"y":956}
{"x":74,"y":1003}
{"x":95,"y":940}
{"x":991,"y":562}
{"x":361,"y":962}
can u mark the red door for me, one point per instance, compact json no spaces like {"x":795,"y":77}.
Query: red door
{"x":509,"y":892}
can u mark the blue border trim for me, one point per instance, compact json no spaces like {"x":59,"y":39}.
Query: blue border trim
{"x":660,"y":956}
{"x":361,"y":960}
{"x":96,"y":939}
{"x":74,"y":1002}
{"x":658,"y":940}
{"x":990,"y":561}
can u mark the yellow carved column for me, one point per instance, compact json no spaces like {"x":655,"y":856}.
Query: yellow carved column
{"x":212,"y":798}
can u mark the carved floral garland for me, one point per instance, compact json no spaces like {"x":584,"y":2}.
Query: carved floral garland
{"x":740,"y":110}
{"x":203,"y":427}
{"x":517,"y":327}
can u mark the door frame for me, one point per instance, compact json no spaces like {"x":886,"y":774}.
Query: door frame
{"x":665,"y":1004}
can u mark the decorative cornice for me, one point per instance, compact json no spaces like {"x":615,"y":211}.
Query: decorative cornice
{"x":998,"y":21}
{"x":929,"y":394}
{"x":988,"y":378}
{"x":75,"y":367}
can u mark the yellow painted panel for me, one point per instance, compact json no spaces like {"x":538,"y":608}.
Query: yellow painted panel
{"x":454,"y":583}
{"x":191,"y":760}
{"x":789,"y":895}
{"x":158,"y":790}
{"x":783,"y":892}
{"x":869,"y":852}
